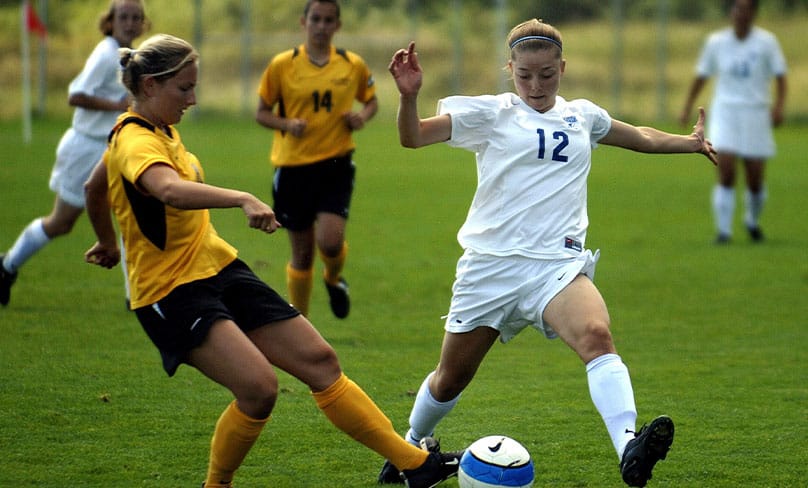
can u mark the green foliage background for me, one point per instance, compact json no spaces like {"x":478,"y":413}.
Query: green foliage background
{"x":461,"y":46}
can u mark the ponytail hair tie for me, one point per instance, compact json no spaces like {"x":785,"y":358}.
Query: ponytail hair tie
{"x":126,"y":54}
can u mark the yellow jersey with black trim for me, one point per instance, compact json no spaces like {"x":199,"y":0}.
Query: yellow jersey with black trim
{"x":165,"y":246}
{"x":320,"y":95}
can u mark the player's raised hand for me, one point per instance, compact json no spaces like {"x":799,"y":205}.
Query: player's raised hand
{"x":406,"y":71}
{"x":706,"y":146}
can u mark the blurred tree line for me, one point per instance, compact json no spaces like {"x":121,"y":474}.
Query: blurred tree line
{"x":566,"y":11}
{"x":555,"y":11}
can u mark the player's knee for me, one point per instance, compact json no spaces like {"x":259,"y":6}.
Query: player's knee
{"x":56,"y":227}
{"x":258,"y":398}
{"x":446,"y":387}
{"x":596,"y":340}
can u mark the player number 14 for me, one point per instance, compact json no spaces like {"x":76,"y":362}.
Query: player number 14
{"x":322,"y":101}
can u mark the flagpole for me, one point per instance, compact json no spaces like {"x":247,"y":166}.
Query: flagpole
{"x":26,"y":74}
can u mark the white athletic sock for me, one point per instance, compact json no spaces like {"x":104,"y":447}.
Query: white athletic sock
{"x":754,"y":206}
{"x":611,"y":392}
{"x":723,"y":208}
{"x":427,"y":413}
{"x":29,"y":242}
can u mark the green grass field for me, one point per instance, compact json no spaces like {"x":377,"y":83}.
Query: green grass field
{"x":713,"y":336}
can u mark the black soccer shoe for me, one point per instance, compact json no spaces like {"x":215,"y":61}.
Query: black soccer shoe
{"x":438,"y":467}
{"x":755,"y":233}
{"x":338,"y":298}
{"x":722,"y":239}
{"x":7,"y":279}
{"x":651,"y":444}
{"x":390,"y":475}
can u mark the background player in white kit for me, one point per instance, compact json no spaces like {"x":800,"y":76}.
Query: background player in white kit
{"x":525,"y":261}
{"x":744,"y":59}
{"x":99,"y":97}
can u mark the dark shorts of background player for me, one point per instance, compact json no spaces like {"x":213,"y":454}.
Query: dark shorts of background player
{"x":301,"y":192}
{"x":180,"y":322}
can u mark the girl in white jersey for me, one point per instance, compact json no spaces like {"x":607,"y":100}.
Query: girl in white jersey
{"x":744,"y":59}
{"x":525,"y":261}
{"x":99,"y":97}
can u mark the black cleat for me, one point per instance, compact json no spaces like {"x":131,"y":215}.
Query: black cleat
{"x":651,"y":444}
{"x":7,"y":279}
{"x":755,"y":233}
{"x":390,"y":475}
{"x":338,"y":298}
{"x":722,"y":239}
{"x":438,"y":467}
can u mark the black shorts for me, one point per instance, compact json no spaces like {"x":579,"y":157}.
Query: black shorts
{"x":181,"y":321}
{"x":301,"y":192}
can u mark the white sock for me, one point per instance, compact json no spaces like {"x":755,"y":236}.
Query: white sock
{"x":723,"y":208}
{"x":611,"y":392}
{"x":29,"y":242}
{"x":427,"y":413}
{"x":754,"y":206}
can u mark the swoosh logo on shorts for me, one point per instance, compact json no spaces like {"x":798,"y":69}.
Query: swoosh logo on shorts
{"x":196,"y":322}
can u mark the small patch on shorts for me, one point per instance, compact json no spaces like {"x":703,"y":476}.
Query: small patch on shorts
{"x":573,"y":244}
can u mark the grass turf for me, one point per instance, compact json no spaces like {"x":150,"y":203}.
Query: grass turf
{"x":713,"y":336}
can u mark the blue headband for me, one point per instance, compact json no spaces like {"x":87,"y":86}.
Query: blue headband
{"x":535,"y":38}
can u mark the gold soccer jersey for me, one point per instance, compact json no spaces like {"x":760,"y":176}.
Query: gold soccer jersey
{"x":320,"y":95}
{"x":165,"y":246}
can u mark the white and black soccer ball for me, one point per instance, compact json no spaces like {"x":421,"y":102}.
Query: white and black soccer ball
{"x":495,"y":461}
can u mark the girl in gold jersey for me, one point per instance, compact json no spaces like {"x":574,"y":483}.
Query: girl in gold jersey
{"x":306,"y":95}
{"x":198,"y":303}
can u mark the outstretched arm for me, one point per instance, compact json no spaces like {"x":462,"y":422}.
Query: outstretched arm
{"x":650,"y":140}
{"x":163,"y":183}
{"x":412,"y":131}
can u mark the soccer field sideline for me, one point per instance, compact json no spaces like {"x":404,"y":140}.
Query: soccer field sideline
{"x":713,"y":336}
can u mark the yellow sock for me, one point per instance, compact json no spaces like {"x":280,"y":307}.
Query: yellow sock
{"x":348,"y":407}
{"x":235,"y":434}
{"x":298,"y":282}
{"x":333,"y":266}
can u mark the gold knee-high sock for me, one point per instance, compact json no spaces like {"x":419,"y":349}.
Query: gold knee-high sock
{"x":333,"y":266}
{"x":348,"y":407}
{"x":235,"y":434}
{"x":299,"y":283}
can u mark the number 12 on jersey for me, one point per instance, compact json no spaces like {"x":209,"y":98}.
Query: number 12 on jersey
{"x":561,"y":142}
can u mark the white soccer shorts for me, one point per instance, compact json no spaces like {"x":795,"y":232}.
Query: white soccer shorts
{"x":76,"y":156}
{"x":744,"y":131}
{"x":510,"y":293}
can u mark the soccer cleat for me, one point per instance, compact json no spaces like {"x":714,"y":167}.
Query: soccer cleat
{"x":438,"y":467}
{"x":755,"y":233}
{"x":650,"y":445}
{"x":7,"y":279}
{"x":721,"y":239}
{"x":390,"y":475}
{"x":338,"y":298}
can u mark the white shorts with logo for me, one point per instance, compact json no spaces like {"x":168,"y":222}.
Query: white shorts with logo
{"x":510,"y":293}
{"x":743,"y":131}
{"x":76,"y":156}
